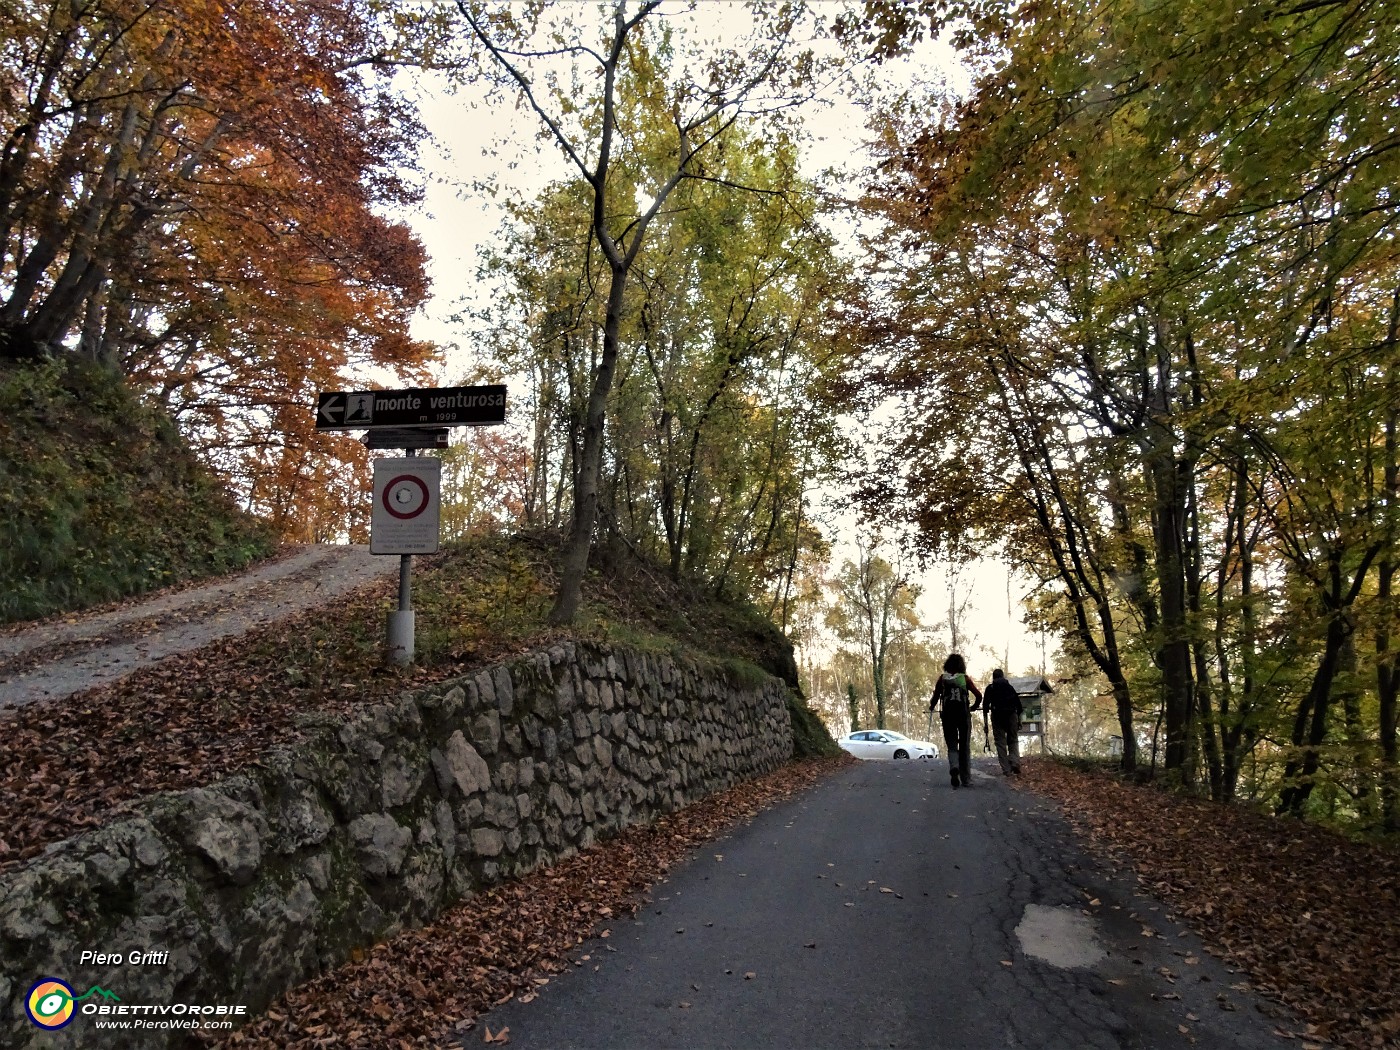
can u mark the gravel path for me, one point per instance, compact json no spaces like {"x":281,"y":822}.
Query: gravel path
{"x":60,"y":657}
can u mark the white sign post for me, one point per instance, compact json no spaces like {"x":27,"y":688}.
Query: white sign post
{"x":406,"y":512}
{"x":405,"y":521}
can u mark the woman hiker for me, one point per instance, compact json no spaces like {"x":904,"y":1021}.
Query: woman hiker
{"x":951,"y":692}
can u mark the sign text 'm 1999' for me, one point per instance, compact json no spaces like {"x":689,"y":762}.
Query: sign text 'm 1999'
{"x":440,"y":407}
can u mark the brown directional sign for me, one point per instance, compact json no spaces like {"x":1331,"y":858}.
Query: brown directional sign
{"x":452,"y":406}
{"x":406,"y":437}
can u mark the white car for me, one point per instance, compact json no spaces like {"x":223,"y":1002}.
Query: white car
{"x":886,"y":743}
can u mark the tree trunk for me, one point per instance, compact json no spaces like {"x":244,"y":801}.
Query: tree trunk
{"x":1310,"y":725}
{"x":580,"y":539}
{"x":1173,"y":651}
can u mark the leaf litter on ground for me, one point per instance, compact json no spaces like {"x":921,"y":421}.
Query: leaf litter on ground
{"x":1308,"y":913}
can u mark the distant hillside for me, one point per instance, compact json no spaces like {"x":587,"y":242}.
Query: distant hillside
{"x":100,"y":498}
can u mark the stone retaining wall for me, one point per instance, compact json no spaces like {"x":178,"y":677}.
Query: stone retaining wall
{"x":262,"y":880}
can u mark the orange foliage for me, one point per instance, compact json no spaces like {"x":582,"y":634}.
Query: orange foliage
{"x":197,"y":206}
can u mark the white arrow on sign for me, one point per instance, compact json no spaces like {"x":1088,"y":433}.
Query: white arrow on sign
{"x":333,"y":409}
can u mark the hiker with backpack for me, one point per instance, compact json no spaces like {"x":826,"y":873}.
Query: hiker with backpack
{"x":950,"y":697}
{"x":1004,"y":704}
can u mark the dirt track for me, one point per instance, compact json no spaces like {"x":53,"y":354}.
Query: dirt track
{"x":59,"y":657}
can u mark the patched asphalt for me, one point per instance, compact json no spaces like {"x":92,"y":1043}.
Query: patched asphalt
{"x":885,"y":909}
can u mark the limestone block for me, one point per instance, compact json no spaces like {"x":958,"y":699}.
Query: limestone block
{"x":459,"y":768}
{"x":564,"y":699}
{"x":487,"y":842}
{"x":446,"y":829}
{"x":361,"y":743}
{"x":225,"y":833}
{"x":485,"y":689}
{"x":381,"y":844}
{"x":297,"y":816}
{"x":506,"y":776}
{"x":317,"y":870}
{"x":401,"y":779}
{"x":501,"y":810}
{"x":406,"y":717}
{"x":561,"y":800}
{"x":505,"y":692}
{"x":427,"y":831}
{"x":486,"y":732}
{"x":512,"y":738}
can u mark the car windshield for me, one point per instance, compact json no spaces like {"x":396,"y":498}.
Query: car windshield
{"x":895,"y":736}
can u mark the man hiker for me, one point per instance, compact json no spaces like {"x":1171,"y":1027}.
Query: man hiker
{"x":1004,"y":704}
{"x":951,"y":692}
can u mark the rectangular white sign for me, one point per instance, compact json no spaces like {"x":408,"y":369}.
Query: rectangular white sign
{"x":405,"y":518}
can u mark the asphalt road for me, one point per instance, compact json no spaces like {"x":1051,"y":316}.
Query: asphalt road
{"x":885,"y":909}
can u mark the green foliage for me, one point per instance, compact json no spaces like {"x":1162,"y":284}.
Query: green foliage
{"x":718,"y":425}
{"x":1156,"y":243}
{"x":101,"y":497}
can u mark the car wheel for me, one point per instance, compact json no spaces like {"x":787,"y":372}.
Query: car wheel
{"x":901,"y":754}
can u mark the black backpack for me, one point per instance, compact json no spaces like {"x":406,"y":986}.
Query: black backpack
{"x":954,"y":695}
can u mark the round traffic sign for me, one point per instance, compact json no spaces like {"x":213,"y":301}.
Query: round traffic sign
{"x":406,"y":496}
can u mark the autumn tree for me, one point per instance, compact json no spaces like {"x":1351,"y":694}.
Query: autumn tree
{"x":577,"y":81}
{"x":190,"y":193}
{"x":873,"y":606}
{"x":1152,"y":245}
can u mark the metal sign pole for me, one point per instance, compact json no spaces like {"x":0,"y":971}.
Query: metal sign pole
{"x":404,"y":517}
{"x":400,"y":635}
